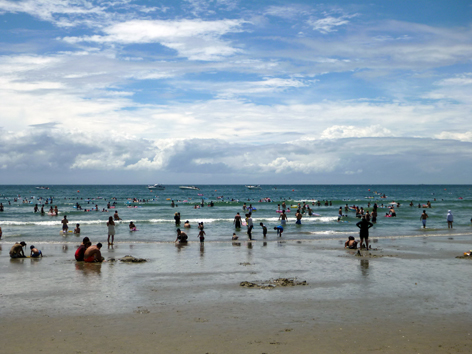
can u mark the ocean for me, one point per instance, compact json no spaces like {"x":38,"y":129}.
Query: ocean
{"x":154,"y":217}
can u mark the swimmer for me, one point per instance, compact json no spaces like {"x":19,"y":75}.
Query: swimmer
{"x":132,"y":226}
{"x":35,"y":252}
{"x":77,"y":229}
{"x":234,"y":236}
{"x":115,"y":216}
{"x":351,"y":243}
{"x":1,"y":233}
{"x":93,"y":254}
{"x":17,"y":250}
{"x":187,"y":225}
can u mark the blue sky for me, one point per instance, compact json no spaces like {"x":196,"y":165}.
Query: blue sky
{"x":226,"y":91}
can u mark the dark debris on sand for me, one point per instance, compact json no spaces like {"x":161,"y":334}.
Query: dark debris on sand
{"x":131,"y":259}
{"x":271,"y":284}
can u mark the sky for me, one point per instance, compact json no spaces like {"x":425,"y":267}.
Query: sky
{"x":235,"y":92}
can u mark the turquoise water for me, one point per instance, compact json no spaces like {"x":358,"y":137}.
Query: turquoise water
{"x":155,"y":217}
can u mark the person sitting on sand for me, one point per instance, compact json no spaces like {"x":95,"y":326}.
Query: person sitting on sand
{"x":234,"y":236}
{"x":181,"y":237}
{"x":279,"y":230}
{"x":17,"y":250}
{"x":351,"y":243}
{"x":35,"y":252}
{"x":187,"y":224}
{"x":132,"y":226}
{"x":77,"y":229}
{"x":79,"y":253}
{"x":93,"y":254}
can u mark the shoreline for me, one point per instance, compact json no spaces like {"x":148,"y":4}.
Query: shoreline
{"x":409,"y":295}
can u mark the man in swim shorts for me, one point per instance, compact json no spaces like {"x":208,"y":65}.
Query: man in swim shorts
{"x":17,"y":250}
{"x":364,"y":227}
{"x":283,"y":218}
{"x":299,"y":216}
{"x":423,"y":218}
{"x":35,"y":252}
{"x":93,"y":254}
{"x":237,"y":221}
{"x":64,"y":221}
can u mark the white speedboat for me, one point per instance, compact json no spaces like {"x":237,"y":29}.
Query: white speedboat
{"x":190,"y":187}
{"x":156,"y":186}
{"x":254,"y":187}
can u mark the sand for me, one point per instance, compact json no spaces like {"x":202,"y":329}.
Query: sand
{"x":409,"y":296}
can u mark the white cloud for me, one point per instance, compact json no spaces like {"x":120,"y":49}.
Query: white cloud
{"x":329,"y":23}
{"x":195,"y":39}
{"x":463,"y":136}
{"x":343,"y":131}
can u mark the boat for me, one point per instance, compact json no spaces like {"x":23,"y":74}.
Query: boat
{"x":254,"y":187}
{"x":42,"y":187}
{"x":190,"y":187}
{"x":156,"y":186}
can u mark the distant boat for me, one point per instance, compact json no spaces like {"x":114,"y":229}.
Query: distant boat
{"x":156,"y":186}
{"x":42,"y":187}
{"x":254,"y":187}
{"x":190,"y":187}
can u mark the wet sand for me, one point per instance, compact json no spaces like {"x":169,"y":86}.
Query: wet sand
{"x":410,"y":295}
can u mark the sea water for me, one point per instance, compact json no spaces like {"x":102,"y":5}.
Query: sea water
{"x":154,"y":217}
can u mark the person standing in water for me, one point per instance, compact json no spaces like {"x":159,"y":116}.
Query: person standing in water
{"x":111,"y":230}
{"x":237,"y":221}
{"x":449,"y":219}
{"x":283,"y":218}
{"x":423,"y":218}
{"x":64,"y":221}
{"x":364,"y":227}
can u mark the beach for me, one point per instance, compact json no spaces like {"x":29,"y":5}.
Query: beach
{"x":408,"y":294}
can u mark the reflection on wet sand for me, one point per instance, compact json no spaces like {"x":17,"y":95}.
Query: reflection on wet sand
{"x":180,"y":246}
{"x":89,"y":268}
{"x":202,"y":249}
{"x":364,"y":267}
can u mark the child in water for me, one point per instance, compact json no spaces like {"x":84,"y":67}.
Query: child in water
{"x":35,"y":252}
